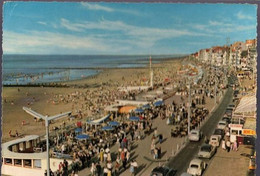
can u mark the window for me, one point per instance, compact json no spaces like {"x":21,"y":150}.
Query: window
{"x":27,"y":163}
{"x":8,"y":161}
{"x":234,"y":132}
{"x":37,"y":163}
{"x":194,"y":166}
{"x":17,"y":162}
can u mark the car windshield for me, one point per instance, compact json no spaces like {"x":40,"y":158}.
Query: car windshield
{"x":222,"y":123}
{"x":194,"y":132}
{"x":206,"y":148}
{"x":213,"y":139}
{"x":194,"y":166}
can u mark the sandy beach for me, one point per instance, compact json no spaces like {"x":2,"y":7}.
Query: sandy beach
{"x":51,"y":100}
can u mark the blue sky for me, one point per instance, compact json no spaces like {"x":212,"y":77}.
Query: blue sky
{"x":123,"y":28}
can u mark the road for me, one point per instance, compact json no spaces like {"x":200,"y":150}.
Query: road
{"x":182,"y":160}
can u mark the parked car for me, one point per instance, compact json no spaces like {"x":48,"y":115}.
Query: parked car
{"x":163,"y":171}
{"x":222,"y":124}
{"x":214,"y":140}
{"x":207,"y":151}
{"x":195,"y":135}
{"x":231,"y":106}
{"x":229,"y":112}
{"x":196,"y":167}
{"x":227,"y":119}
{"x":219,"y":132}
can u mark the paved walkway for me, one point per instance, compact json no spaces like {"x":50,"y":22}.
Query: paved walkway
{"x":141,"y":148}
{"x":234,"y":163}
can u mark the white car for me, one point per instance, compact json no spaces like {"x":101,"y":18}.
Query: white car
{"x":196,"y":167}
{"x":207,"y":151}
{"x":195,"y":135}
{"x":222,"y":124}
{"x":214,"y":140}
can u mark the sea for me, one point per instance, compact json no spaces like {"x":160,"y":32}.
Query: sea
{"x":37,"y":69}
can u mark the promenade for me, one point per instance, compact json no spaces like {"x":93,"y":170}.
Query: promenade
{"x":141,"y":148}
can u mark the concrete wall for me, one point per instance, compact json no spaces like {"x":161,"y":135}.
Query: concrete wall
{"x":21,"y":171}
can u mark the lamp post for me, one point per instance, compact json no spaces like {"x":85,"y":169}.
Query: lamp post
{"x":215,"y":90}
{"x":189,"y":107}
{"x":47,"y":120}
{"x":47,"y":145}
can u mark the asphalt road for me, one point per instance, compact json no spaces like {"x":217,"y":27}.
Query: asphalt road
{"x":182,"y":160}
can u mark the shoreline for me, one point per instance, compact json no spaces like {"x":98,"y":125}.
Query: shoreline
{"x":99,"y":70}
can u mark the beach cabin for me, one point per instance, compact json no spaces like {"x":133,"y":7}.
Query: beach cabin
{"x":25,"y":156}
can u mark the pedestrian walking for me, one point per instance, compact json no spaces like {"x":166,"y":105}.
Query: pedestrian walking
{"x":98,"y":168}
{"x":228,"y":145}
{"x":235,"y":145}
{"x":223,"y":145}
{"x":160,"y":136}
{"x":93,"y":169}
{"x":133,"y":167}
{"x":117,"y":168}
{"x":101,"y":155}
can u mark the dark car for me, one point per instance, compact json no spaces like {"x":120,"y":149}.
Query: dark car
{"x":163,"y":171}
{"x":227,"y":119}
{"x":219,"y":132}
{"x":229,"y":111}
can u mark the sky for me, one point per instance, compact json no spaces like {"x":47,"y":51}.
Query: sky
{"x":123,"y":28}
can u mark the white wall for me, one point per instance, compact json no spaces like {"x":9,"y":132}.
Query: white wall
{"x":21,"y":171}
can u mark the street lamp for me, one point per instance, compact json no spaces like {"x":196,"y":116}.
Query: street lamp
{"x":215,"y":90}
{"x":47,"y":119}
{"x":189,"y":107}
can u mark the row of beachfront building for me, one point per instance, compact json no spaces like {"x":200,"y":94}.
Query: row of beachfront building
{"x":241,"y":55}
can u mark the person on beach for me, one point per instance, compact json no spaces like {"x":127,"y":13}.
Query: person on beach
{"x":10,"y":133}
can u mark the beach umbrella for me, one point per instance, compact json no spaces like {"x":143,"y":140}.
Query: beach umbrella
{"x":107,"y":128}
{"x":126,"y":109}
{"x":139,"y":110}
{"x":158,"y":103}
{"x":134,"y":118}
{"x":114,"y":123}
{"x":82,"y":136}
{"x":78,"y":130}
{"x":147,"y":106}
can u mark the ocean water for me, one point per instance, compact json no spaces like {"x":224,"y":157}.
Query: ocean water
{"x":33,"y":69}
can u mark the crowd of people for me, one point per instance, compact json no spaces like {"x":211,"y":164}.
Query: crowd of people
{"x":95,"y":153}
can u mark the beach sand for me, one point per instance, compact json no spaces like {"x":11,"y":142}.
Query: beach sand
{"x":40,"y":98}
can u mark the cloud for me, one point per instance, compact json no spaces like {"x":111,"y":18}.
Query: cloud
{"x":42,"y":23}
{"x":92,"y":6}
{"x":242,"y":16}
{"x":218,"y":27}
{"x":76,"y":27}
{"x":35,"y":42}
{"x":237,"y":28}
{"x":128,"y":30}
